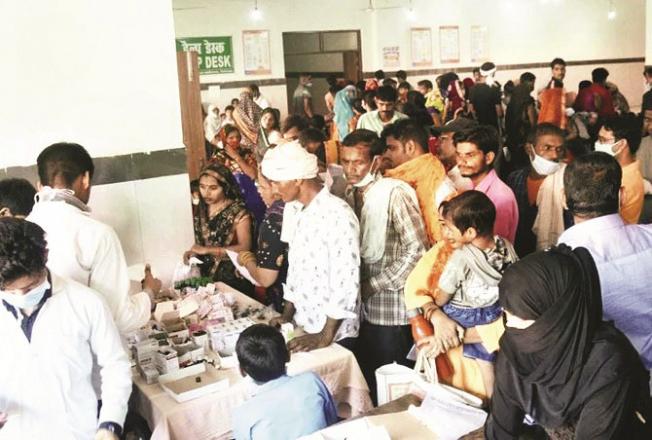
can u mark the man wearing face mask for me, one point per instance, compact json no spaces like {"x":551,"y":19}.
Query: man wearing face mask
{"x":302,"y":98}
{"x":620,"y":137}
{"x":534,"y":188}
{"x":485,"y":97}
{"x":82,"y":248}
{"x":52,"y":329}
{"x":393,"y":238}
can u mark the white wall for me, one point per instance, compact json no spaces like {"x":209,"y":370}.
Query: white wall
{"x":103,"y":74}
{"x":648,"y":33}
{"x":520,"y":31}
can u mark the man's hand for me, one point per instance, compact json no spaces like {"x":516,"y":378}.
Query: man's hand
{"x":104,"y":434}
{"x":308,"y":343}
{"x":446,"y":330}
{"x":276,"y":322}
{"x":150,"y":284}
{"x":366,"y":291}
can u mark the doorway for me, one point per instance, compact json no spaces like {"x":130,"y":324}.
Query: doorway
{"x":321,"y":54}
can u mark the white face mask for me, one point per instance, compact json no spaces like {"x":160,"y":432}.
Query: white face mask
{"x":606,"y":148}
{"x":29,"y":299}
{"x":647,"y":86}
{"x":195,"y":201}
{"x":543,"y":166}
{"x":366,"y":180}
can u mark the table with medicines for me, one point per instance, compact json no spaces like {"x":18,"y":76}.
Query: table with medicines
{"x":186,"y":377}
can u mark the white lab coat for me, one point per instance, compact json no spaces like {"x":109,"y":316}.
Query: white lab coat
{"x":89,"y":252}
{"x":46,"y":384}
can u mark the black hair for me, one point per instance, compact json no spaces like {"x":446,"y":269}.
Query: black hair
{"x":578,"y":146}
{"x":379,"y":75}
{"x":64,"y":160}
{"x":527,"y":77}
{"x":317,"y":121}
{"x":194,"y":185}
{"x":425,"y":83}
{"x":647,"y":71}
{"x":331,"y":80}
{"x":292,"y":121}
{"x":369,"y":98}
{"x":389,"y":82}
{"x":274,"y":112}
{"x":255,"y":91}
{"x":17,"y":195}
{"x":584,"y":84}
{"x":402,"y":75}
{"x":471,"y":209}
{"x":405,"y":85}
{"x":229,"y":107}
{"x":405,"y":130}
{"x":487,"y":65}
{"x":485,"y":137}
{"x":592,"y":185}
{"x":262,"y":353}
{"x":416,"y":99}
{"x":508,"y":88}
{"x":557,"y":62}
{"x":626,"y":126}
{"x":311,"y":134}
{"x":360,"y":86}
{"x":366,"y":138}
{"x":23,"y":249}
{"x":235,"y":101}
{"x":357,"y":106}
{"x":386,"y":93}
{"x":228,"y":129}
{"x":599,"y":75}
{"x":476,"y":70}
{"x":545,"y":129}
{"x":226,"y":181}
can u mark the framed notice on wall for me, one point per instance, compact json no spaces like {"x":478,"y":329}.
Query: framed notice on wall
{"x":421,"y":44}
{"x":449,"y":44}
{"x":215,"y":54}
{"x":479,"y":44}
{"x":391,"y":57}
{"x":255,"y":46}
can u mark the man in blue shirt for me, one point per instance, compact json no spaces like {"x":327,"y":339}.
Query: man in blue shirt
{"x":283,"y":407}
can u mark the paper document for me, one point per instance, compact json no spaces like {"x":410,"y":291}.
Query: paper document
{"x":233,"y":256}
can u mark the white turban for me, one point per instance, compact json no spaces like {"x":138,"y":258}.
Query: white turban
{"x":289,"y":161}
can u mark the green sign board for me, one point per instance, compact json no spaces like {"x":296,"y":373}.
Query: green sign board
{"x":215,"y":54}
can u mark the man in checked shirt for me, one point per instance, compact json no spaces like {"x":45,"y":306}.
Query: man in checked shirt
{"x":393,"y":238}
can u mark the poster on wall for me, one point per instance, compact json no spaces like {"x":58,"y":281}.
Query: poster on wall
{"x":479,"y":44}
{"x":391,"y":57}
{"x":255,"y":46}
{"x":449,"y":44}
{"x":421,"y":47}
{"x":215,"y":54}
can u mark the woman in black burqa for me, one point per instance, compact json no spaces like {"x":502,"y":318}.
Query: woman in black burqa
{"x":563,"y":366}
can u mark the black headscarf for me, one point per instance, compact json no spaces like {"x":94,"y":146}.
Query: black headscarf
{"x":559,"y":290}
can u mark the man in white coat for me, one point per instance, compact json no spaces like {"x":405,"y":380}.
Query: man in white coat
{"x":82,"y":248}
{"x":51,"y":328}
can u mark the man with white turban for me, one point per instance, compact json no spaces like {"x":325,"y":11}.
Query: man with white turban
{"x":485,"y":97}
{"x":322,"y":290}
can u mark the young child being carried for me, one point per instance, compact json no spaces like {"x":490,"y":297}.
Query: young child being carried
{"x":468,"y":285}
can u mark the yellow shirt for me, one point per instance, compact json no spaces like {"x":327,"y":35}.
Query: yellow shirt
{"x":632,"y":203}
{"x":419,"y":287}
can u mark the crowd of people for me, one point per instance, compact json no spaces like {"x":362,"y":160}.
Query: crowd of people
{"x":507,"y":223}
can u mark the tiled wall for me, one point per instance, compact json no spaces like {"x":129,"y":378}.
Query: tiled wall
{"x":152,"y":217}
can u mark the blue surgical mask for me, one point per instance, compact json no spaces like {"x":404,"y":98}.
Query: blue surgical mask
{"x":29,"y":299}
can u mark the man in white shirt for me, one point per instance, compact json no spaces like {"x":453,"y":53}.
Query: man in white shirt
{"x":322,"y":290}
{"x":386,"y":114}
{"x":622,"y":252}
{"x":82,"y":248}
{"x":52,"y":327}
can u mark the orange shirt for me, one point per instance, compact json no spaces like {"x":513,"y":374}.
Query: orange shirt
{"x":632,"y":203}
{"x":533,"y":186}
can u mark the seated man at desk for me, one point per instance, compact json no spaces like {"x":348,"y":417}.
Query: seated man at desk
{"x":306,"y":404}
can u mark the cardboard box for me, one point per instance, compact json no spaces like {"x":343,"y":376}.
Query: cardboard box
{"x":143,"y":352}
{"x":193,"y":382}
{"x":224,"y":336}
{"x":166,"y":360}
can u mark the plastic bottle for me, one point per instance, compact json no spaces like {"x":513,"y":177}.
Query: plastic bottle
{"x":422,"y":328}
